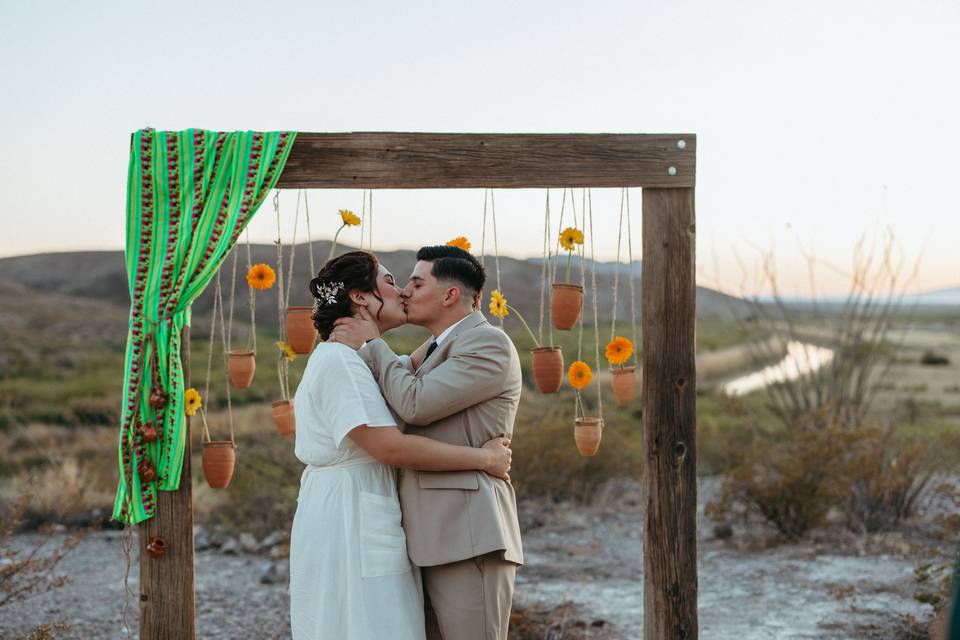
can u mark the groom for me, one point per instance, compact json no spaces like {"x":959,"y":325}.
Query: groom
{"x":462,"y":529}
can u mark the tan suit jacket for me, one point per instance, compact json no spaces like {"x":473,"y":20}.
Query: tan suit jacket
{"x":465,"y":393}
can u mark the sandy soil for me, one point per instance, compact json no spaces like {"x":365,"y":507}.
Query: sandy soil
{"x":831,"y":585}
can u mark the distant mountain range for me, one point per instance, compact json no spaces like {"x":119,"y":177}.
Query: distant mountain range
{"x":949,"y":297}
{"x":101,"y":276}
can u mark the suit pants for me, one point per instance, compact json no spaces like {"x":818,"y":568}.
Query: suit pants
{"x":471,"y":598}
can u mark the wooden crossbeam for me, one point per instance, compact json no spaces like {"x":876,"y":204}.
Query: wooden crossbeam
{"x":371,"y":160}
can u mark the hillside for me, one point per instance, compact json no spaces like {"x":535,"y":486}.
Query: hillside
{"x":100,"y":276}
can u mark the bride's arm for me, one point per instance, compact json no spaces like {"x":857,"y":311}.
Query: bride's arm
{"x":389,"y":446}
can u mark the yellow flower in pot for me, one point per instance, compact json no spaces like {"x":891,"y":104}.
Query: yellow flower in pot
{"x":624,"y":379}
{"x":192,"y":402}
{"x":261,"y":276}
{"x":349,"y":219}
{"x":587,"y":431}
{"x":547,"y":361}
{"x":567,"y":299}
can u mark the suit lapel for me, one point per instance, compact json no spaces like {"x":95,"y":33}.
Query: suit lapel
{"x":472,"y":321}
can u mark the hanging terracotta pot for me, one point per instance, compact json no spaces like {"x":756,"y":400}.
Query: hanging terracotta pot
{"x":219,"y":457}
{"x":241,"y":365}
{"x":148,"y":432}
{"x":157,"y":547}
{"x":548,"y":368}
{"x":624,"y":383}
{"x":147,"y":472}
{"x":301,"y":333}
{"x":587,"y":433}
{"x":565,"y":304}
{"x":284,"y":418}
{"x":158,"y":398}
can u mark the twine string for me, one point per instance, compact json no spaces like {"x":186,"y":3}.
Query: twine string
{"x":633,"y":277}
{"x":596,"y":321}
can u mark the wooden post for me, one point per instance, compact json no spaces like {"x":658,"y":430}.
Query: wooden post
{"x":669,"y":415}
{"x":167,"y":583}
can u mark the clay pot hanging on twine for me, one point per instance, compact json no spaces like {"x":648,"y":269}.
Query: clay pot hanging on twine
{"x":241,"y":365}
{"x":219,"y":458}
{"x":587,"y":433}
{"x":624,"y":382}
{"x":148,"y":432}
{"x":566,"y":304}
{"x":548,"y":368}
{"x":156,"y":547}
{"x":301,"y":332}
{"x":283,"y":417}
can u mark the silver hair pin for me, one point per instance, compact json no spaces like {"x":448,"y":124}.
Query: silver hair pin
{"x":327,"y":293}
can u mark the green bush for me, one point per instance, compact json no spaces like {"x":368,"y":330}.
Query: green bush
{"x":791,"y":478}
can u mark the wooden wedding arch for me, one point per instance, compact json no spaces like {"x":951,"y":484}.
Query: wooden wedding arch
{"x":664,"y":165}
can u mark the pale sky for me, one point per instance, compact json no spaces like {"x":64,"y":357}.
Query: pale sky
{"x":817,"y":121}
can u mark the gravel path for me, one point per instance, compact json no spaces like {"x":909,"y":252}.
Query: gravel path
{"x":831,"y":586}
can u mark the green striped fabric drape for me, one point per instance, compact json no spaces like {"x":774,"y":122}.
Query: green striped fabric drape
{"x":189,"y":195}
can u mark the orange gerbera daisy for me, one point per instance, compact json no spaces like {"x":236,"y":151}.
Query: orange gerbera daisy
{"x":261,"y":276}
{"x":461,"y":242}
{"x":619,"y":351}
{"x":579,"y":374}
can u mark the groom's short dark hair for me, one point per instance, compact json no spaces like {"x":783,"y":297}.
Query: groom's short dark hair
{"x":453,"y":263}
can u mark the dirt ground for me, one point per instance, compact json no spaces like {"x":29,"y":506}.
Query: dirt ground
{"x":583,"y":579}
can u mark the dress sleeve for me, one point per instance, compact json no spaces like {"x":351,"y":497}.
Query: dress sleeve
{"x":353,"y":398}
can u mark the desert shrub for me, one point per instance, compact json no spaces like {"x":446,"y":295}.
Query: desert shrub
{"x":792,"y":478}
{"x":95,"y":411}
{"x":933,"y":359}
{"x":886,"y":482}
{"x":25,"y":573}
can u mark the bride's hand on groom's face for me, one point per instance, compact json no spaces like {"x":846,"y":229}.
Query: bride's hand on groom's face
{"x":499,"y":457}
{"x":355,"y":330}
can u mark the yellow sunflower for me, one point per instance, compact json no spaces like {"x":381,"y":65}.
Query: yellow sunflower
{"x":261,"y":276}
{"x":619,"y":350}
{"x":287,"y":351}
{"x":498,"y":304}
{"x":579,"y":375}
{"x":349,"y":217}
{"x":570,"y":237}
{"x":461,"y":242}
{"x":191,"y":401}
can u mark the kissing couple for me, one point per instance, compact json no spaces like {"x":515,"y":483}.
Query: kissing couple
{"x":364,"y":557}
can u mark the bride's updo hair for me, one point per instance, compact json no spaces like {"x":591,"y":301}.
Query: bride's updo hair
{"x":351,"y":271}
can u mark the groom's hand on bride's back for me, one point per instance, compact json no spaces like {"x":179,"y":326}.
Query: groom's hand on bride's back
{"x":500,"y":457}
{"x":355,"y":330}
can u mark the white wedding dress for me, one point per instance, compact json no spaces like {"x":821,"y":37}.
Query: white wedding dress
{"x":350,"y":577}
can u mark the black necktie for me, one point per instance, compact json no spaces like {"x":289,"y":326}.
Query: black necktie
{"x":430,"y":349}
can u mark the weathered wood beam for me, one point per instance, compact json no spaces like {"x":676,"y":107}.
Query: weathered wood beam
{"x":167,"y":583}
{"x":669,"y":415}
{"x":498,"y":160}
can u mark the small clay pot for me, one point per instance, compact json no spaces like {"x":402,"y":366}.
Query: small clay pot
{"x":301,"y":332}
{"x":566,"y":304}
{"x":548,"y":368}
{"x":147,"y":472}
{"x":158,"y":398}
{"x":148,"y":432}
{"x":624,"y":383}
{"x":283,"y":417}
{"x":156,"y":547}
{"x":241,"y":365}
{"x":219,"y":457}
{"x":587,"y":433}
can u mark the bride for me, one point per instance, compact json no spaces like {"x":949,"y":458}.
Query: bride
{"x":350,"y":577}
